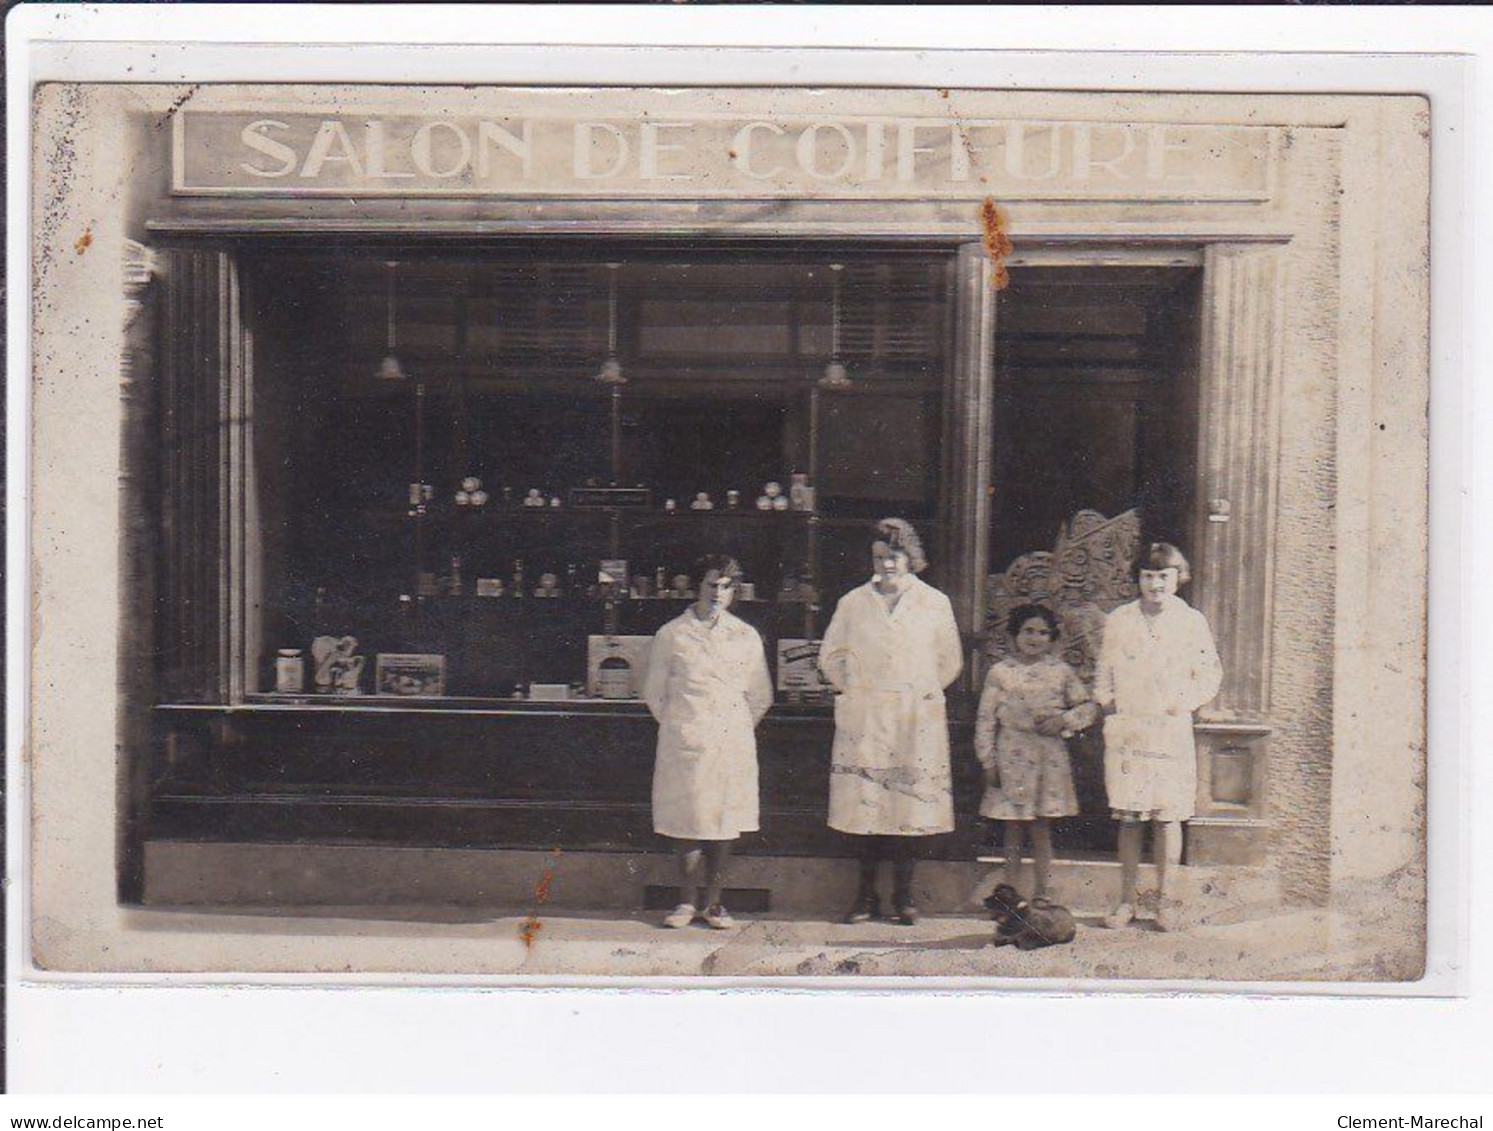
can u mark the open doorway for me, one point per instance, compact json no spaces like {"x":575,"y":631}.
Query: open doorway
{"x":1095,"y":438}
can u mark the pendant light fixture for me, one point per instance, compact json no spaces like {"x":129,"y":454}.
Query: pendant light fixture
{"x":390,"y":369}
{"x":835,"y":376}
{"x":611,"y":369}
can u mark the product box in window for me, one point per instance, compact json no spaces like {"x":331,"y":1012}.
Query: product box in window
{"x":616,"y":666}
{"x":799,"y":677}
{"x":409,"y":673}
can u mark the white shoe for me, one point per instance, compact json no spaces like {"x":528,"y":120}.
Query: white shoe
{"x":719,"y":918}
{"x":681,"y":916}
{"x":1121,"y":916}
{"x":1169,"y":915}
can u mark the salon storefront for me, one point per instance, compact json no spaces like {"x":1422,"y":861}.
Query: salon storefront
{"x":437,"y":393}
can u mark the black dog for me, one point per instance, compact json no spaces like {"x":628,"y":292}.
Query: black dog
{"x":1028,"y":924}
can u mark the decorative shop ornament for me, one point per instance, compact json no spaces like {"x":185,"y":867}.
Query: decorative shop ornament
{"x":549,"y":585}
{"x":611,"y":369}
{"x":702,"y":502}
{"x":338,"y":667}
{"x":835,"y":375}
{"x":733,"y":500}
{"x":670,"y":506}
{"x":533,"y":498}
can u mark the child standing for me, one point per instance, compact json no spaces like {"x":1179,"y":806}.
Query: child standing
{"x":1157,"y":666}
{"x":1032,"y":703}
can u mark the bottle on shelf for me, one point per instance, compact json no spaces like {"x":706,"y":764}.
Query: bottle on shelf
{"x":518,"y":577}
{"x":290,"y":671}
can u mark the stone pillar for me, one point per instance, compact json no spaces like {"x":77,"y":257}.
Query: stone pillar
{"x":1241,"y":366}
{"x":137,"y":563}
{"x":969,"y":398}
{"x":1239,"y":446}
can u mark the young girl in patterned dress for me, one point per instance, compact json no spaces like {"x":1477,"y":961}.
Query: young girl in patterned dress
{"x":1032,"y":703}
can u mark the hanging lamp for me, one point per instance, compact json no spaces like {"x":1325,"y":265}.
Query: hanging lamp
{"x":389,"y":369}
{"x":611,"y":369}
{"x":835,"y":376}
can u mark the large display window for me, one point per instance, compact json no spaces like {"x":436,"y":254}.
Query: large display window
{"x":497,"y":460}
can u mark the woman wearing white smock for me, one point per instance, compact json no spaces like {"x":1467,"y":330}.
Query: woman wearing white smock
{"x":1157,"y":665}
{"x":890,"y":650}
{"x":708,"y":687}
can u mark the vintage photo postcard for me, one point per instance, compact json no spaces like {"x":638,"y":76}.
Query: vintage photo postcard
{"x":756,"y":533}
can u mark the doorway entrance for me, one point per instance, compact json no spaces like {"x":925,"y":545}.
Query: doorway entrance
{"x":1095,"y":438}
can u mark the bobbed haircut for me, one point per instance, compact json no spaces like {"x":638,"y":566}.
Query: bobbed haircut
{"x":899,"y":535}
{"x":724,"y":564}
{"x":1163,"y":555}
{"x":1023,"y":613}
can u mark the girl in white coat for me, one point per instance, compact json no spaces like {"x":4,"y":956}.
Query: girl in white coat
{"x":1157,"y":666}
{"x":708,"y":687}
{"x":890,"y":650}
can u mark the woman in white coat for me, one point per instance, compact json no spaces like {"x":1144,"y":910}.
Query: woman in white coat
{"x":890,"y":650}
{"x":708,"y":687}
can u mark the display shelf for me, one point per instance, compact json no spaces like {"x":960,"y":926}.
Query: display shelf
{"x":267,"y":703}
{"x":593,"y":602}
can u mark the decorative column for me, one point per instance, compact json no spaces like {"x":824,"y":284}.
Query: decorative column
{"x":204,"y":407}
{"x":968,"y":437}
{"x":1238,"y":449}
{"x":1241,"y":364}
{"x":137,"y":564}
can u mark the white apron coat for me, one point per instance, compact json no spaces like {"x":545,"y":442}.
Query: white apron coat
{"x":1156,"y":671}
{"x":708,"y":688}
{"x":889,"y":772}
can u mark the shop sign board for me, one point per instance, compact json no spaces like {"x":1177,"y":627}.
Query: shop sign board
{"x":269,"y":153}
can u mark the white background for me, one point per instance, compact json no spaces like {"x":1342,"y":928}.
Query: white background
{"x":89,"y":1036}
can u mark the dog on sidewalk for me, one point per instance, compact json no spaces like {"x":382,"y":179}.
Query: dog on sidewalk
{"x":1028,"y":924}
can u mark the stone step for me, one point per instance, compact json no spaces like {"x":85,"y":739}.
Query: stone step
{"x":240,"y":875}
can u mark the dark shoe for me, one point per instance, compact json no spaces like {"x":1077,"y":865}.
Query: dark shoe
{"x":907,"y":914}
{"x":865,"y":908}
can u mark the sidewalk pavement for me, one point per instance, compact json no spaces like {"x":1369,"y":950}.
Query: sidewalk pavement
{"x":1311,"y":944}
